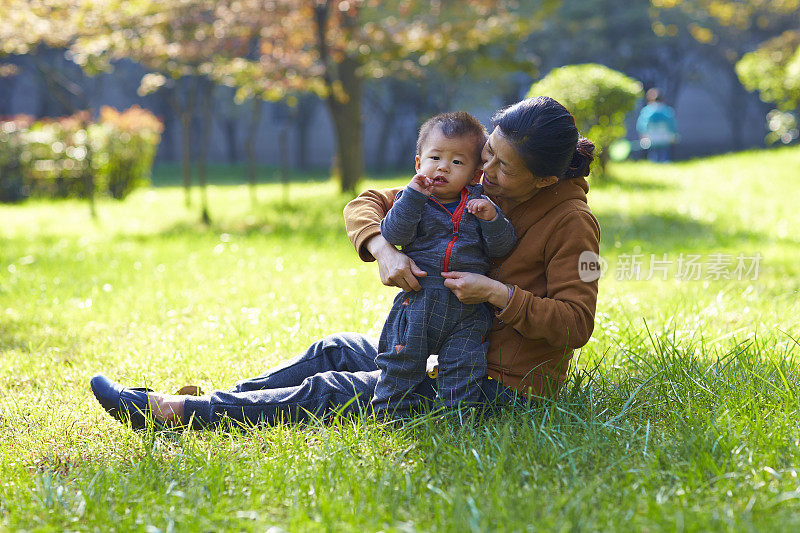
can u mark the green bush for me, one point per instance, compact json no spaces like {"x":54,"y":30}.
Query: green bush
{"x":774,"y":71}
{"x":55,"y":158}
{"x":597,"y":96}
{"x":124,"y":146}
{"x":74,"y":157}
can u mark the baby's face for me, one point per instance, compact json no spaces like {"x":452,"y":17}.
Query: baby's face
{"x":449,"y":162}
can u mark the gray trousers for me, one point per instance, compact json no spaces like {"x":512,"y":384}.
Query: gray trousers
{"x":431,"y":321}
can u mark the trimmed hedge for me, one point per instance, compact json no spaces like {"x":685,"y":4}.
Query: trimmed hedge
{"x":597,"y":96}
{"x":75,"y":157}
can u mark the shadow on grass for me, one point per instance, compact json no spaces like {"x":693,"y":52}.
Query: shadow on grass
{"x":612,"y":180}
{"x":666,"y":231}
{"x":320,"y":220}
{"x":314,"y":221}
{"x":169,"y":175}
{"x":323,"y":222}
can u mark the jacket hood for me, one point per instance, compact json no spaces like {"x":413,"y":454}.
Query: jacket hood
{"x":531,"y":210}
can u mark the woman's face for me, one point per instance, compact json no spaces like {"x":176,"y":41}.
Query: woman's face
{"x":505,"y":175}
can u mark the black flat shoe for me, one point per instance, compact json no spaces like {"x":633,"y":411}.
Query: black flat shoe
{"x":126,"y":404}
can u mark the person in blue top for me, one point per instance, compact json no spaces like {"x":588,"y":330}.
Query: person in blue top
{"x":656,"y":127}
{"x":444,"y":223}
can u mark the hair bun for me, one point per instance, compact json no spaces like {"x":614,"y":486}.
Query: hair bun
{"x":581,"y":159}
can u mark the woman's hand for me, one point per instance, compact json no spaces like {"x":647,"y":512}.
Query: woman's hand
{"x":396,"y":268}
{"x":473,"y":288}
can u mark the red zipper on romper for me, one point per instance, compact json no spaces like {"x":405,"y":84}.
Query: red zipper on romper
{"x":455,"y":218}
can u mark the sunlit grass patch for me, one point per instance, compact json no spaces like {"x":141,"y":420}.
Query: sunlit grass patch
{"x":680,"y":413}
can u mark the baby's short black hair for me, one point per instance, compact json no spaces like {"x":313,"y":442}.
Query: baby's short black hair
{"x":456,"y":124}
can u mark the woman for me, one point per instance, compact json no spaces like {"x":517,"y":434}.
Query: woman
{"x":534,"y":168}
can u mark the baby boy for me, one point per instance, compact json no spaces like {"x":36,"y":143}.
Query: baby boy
{"x":443,"y":222}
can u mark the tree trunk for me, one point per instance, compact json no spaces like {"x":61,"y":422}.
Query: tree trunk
{"x":186,"y":155}
{"x":283,"y":142}
{"x":168,"y":147}
{"x":405,"y":147}
{"x":206,"y":104}
{"x":7,"y":86}
{"x":344,"y":100}
{"x":346,"y":114}
{"x":387,"y":131}
{"x":61,"y":92}
{"x":303,"y":116}
{"x":448,"y":94}
{"x":88,"y":186}
{"x":737,"y":107}
{"x":250,"y":147}
{"x":185,"y":112}
{"x":602,"y":161}
{"x":229,"y":124}
{"x":88,"y":179}
{"x":388,"y":111}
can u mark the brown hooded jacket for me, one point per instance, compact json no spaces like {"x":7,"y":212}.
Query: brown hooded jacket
{"x":551,"y":311}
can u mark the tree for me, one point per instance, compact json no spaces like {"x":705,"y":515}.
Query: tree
{"x":42,"y":30}
{"x":774,"y":71}
{"x":26,"y":24}
{"x":624,"y":36}
{"x":331,"y":48}
{"x":724,"y":31}
{"x":45,"y":28}
{"x":598,"y":98}
{"x":178,"y":41}
{"x":464,"y":78}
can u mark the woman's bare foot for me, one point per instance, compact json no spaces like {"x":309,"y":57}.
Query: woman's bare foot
{"x":167,"y":408}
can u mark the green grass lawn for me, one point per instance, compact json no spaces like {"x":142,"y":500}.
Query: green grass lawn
{"x":681,"y":414}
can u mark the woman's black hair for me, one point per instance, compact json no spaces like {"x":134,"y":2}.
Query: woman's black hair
{"x":544,"y":134}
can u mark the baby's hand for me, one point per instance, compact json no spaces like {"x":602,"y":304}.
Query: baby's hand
{"x":422,"y":183}
{"x":482,"y":208}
